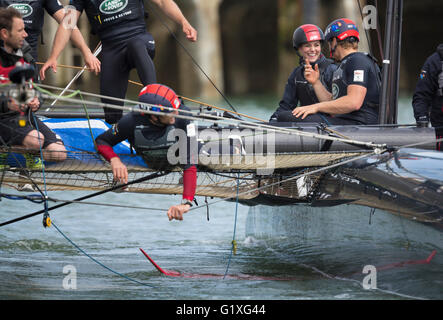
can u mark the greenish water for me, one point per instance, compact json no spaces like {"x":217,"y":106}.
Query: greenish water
{"x":282,"y":253}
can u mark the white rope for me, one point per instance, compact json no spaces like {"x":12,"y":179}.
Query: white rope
{"x":208,"y":117}
{"x":78,"y":74}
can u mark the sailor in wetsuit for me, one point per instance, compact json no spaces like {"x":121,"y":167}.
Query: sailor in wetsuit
{"x":301,"y":86}
{"x":33,"y":134}
{"x":33,"y":16}
{"x":153,"y":128}
{"x":355,"y":84}
{"x":126,"y":44}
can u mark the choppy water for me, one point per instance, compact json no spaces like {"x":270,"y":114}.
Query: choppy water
{"x":283,"y":253}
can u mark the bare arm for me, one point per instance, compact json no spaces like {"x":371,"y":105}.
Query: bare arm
{"x":170,"y":8}
{"x":61,"y":38}
{"x":91,"y":61}
{"x":352,"y":101}
{"x":321,"y":92}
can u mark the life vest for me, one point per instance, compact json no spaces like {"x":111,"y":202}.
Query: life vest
{"x":305,"y":91}
{"x":4,"y":71}
{"x":153,"y":151}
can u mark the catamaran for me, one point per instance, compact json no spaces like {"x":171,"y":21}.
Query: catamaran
{"x":387,"y":166}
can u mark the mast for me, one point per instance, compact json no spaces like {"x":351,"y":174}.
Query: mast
{"x":391,"y":63}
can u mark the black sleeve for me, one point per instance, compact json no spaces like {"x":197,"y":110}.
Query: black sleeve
{"x":52,"y":6}
{"x":426,"y":87}
{"x":328,"y":76}
{"x":357,"y":71}
{"x":78,"y":4}
{"x":122,"y":130}
{"x":289,"y":100}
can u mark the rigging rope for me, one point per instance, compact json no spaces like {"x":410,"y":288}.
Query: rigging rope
{"x":217,"y":119}
{"x":146,"y":178}
{"x":191,"y":57}
{"x":208,"y":105}
{"x":46,"y":218}
{"x":98,"y":262}
{"x":233,"y":243}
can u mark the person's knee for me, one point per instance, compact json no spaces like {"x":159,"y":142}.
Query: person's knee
{"x":34,"y":140}
{"x":56,"y":152}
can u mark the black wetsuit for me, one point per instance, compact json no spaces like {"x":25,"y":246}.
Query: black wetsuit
{"x":359,"y":69}
{"x":126,"y":44}
{"x":298,"y":91}
{"x":33,"y":16}
{"x":126,"y":127}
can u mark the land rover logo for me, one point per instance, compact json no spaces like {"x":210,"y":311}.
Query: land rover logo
{"x":112,"y":6}
{"x":24,"y":9}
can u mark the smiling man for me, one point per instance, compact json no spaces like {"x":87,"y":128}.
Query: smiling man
{"x":33,"y":12}
{"x":355,"y":84}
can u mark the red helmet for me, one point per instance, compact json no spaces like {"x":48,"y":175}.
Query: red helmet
{"x":161,"y":96}
{"x":306,"y":33}
{"x":342,"y":29}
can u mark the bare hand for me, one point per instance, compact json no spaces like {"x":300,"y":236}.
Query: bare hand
{"x":119,"y":170}
{"x":176,"y":212}
{"x":305,"y":111}
{"x":34,"y":104}
{"x":311,"y":75}
{"x":50,"y":63}
{"x":93,"y":63}
{"x":190,"y":32}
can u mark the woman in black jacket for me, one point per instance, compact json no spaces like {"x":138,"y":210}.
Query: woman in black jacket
{"x":310,"y":82}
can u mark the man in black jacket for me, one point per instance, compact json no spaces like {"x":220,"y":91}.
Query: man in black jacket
{"x":33,"y":134}
{"x":428,"y":96}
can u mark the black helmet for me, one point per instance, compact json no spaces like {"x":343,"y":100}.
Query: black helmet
{"x":341,"y":29}
{"x":306,"y":33}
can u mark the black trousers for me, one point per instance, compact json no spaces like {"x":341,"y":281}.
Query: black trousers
{"x":287,"y":116}
{"x":118,"y":59}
